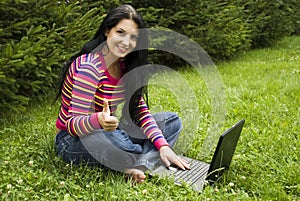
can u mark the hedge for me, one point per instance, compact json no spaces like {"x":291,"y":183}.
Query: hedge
{"x":37,"y":36}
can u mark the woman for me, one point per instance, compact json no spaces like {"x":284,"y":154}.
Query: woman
{"x":97,"y":79}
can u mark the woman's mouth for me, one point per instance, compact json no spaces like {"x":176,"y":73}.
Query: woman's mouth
{"x":122,"y":49}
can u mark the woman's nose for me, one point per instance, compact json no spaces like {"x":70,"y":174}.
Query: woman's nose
{"x":126,"y":40}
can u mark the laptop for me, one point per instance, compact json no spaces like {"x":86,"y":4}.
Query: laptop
{"x":201,"y":173}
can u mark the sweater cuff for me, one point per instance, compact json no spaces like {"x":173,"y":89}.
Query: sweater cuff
{"x":158,"y":143}
{"x":94,"y":121}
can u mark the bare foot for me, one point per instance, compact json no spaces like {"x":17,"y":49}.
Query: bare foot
{"x":138,"y":176}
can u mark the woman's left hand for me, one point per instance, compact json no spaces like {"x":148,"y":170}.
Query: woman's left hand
{"x":168,"y":156}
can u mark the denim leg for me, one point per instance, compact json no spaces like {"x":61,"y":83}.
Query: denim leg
{"x":170,"y":125}
{"x":113,"y":150}
{"x":116,"y":150}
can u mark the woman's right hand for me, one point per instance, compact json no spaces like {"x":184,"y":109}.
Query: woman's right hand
{"x":107,"y":122}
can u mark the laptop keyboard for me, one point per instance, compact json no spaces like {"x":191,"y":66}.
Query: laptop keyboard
{"x":197,"y":171}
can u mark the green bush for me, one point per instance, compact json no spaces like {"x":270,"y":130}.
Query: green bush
{"x":224,"y":28}
{"x":27,"y":48}
{"x":270,"y":20}
{"x":218,"y":27}
{"x":27,"y":68}
{"x":37,"y":36}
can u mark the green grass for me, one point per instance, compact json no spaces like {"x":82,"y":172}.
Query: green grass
{"x":262,"y":86}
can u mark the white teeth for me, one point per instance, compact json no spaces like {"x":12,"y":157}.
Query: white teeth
{"x":122,"y":48}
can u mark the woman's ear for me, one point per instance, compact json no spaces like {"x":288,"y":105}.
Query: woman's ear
{"x":106,"y":32}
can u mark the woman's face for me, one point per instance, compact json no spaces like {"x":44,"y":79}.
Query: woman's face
{"x":122,"y":38}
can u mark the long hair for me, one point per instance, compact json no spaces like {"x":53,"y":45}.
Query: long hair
{"x":138,"y":57}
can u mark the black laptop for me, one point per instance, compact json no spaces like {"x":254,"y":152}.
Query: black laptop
{"x":202,"y":173}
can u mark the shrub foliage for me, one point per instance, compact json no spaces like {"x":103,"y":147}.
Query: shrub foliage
{"x":37,"y":36}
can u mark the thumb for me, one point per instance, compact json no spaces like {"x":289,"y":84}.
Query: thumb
{"x":105,"y":106}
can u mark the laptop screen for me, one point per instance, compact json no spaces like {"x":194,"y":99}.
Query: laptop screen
{"x":224,"y":151}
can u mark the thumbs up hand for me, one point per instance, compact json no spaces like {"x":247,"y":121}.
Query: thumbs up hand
{"x":107,"y":122}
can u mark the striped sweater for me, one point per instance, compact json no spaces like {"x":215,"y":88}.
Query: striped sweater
{"x":86,"y":84}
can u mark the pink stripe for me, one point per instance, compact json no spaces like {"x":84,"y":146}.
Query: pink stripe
{"x":158,"y":143}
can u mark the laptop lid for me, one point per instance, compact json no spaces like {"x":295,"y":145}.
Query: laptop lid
{"x":224,"y":151}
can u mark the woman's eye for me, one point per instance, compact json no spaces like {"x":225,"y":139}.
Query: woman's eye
{"x":120,"y":32}
{"x":134,"y":37}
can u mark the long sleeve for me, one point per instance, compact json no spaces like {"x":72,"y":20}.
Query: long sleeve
{"x":86,"y":84}
{"x":85,"y":80}
{"x":149,"y":126}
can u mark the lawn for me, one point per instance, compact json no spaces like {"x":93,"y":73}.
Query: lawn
{"x":261,"y":86}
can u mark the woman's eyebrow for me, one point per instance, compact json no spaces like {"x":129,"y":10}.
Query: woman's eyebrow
{"x":122,"y":29}
{"x":133,"y":33}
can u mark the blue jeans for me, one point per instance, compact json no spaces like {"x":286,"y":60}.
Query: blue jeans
{"x":118,"y":150}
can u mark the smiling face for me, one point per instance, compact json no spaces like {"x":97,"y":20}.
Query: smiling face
{"x":122,"y":38}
